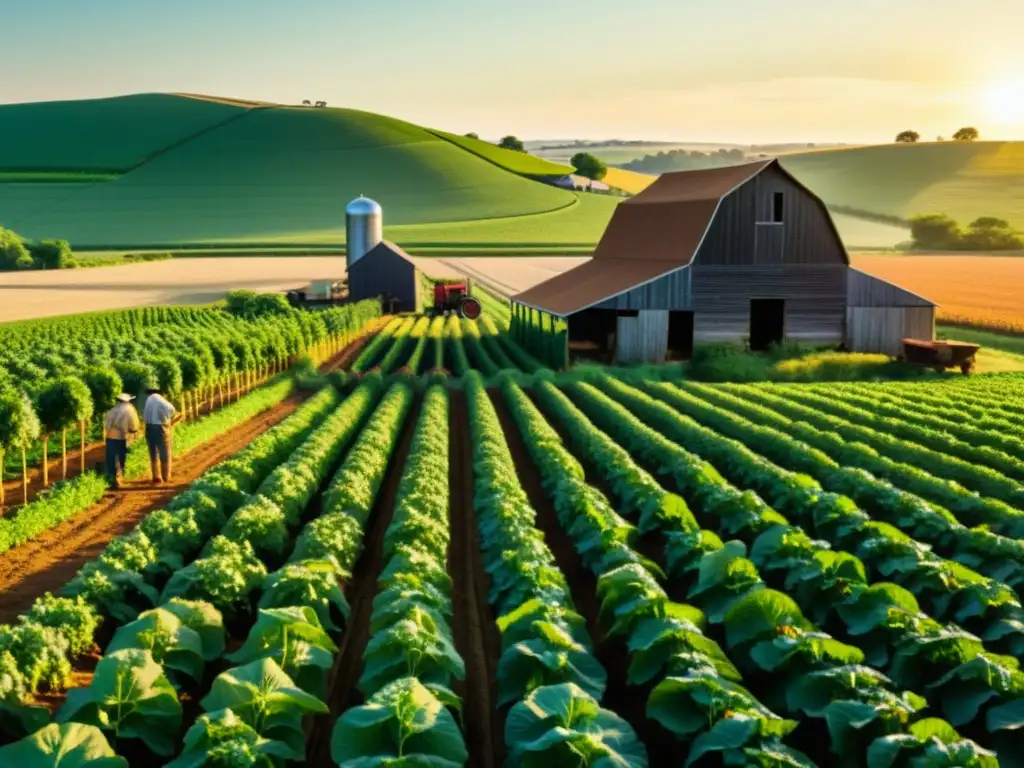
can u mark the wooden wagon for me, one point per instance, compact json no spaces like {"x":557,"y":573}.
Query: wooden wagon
{"x":940,"y":355}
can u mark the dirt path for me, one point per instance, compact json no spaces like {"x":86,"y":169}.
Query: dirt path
{"x":476,"y":634}
{"x":629,"y":702}
{"x":50,"y":560}
{"x":360,"y":592}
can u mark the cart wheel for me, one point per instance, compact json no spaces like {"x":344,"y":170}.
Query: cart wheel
{"x":967,"y":367}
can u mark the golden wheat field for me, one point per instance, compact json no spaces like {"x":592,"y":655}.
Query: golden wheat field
{"x":981,"y":291}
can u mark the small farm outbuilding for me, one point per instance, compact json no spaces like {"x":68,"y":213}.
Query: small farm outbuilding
{"x":742,"y":253}
{"x":386,"y":271}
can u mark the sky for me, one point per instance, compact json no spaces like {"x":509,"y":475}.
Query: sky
{"x":745,"y":71}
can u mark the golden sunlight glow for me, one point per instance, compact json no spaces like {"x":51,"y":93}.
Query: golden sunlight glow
{"x":1004,"y":102}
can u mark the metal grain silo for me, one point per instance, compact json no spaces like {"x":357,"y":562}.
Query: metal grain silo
{"x":364,"y":228}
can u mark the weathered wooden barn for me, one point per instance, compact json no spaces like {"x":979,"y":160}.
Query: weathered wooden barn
{"x":389,"y":272}
{"x":742,"y":253}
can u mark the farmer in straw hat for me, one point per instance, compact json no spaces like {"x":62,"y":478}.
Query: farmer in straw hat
{"x":160,"y":417}
{"x":120,"y":426}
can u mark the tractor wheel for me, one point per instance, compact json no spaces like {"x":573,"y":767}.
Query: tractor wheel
{"x":470,"y":308}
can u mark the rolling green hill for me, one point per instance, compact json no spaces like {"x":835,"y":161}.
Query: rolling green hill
{"x":960,"y":179}
{"x":284,"y":174}
{"x":517,"y":162}
{"x":102,"y":135}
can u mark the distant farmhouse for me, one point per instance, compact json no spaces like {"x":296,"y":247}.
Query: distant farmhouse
{"x":738,"y":253}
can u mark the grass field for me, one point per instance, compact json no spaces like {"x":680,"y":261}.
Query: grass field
{"x":522,"y":163}
{"x":980,"y":291}
{"x":962,"y":180}
{"x":648,"y":568}
{"x":105,"y":135}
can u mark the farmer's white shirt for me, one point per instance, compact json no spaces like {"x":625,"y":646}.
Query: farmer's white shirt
{"x":157,"y":410}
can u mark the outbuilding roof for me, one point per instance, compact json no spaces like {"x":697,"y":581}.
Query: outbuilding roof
{"x":651,"y":234}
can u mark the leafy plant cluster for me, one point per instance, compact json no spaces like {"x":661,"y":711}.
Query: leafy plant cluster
{"x":918,"y":652}
{"x":548,"y":667}
{"x":902,"y":495}
{"x":18,"y":254}
{"x":410,"y":660}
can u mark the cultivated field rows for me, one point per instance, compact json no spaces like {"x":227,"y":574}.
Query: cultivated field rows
{"x":558,"y":571}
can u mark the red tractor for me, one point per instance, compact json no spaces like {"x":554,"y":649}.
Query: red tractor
{"x":454,"y":297}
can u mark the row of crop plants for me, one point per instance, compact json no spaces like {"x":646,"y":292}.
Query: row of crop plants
{"x":548,"y":671}
{"x":998,"y":500}
{"x":927,"y":507}
{"x":940,"y":662}
{"x":998,"y":451}
{"x":410,"y":661}
{"x":419,"y":345}
{"x":50,"y":387}
{"x":207,"y":573}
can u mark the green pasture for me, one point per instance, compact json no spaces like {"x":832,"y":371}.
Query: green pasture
{"x":101,"y":135}
{"x":280,"y":175}
{"x":964,"y":180}
{"x":518,"y":162}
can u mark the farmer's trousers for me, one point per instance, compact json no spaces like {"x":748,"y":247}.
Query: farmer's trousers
{"x":117,"y":455}
{"x":158,"y":438}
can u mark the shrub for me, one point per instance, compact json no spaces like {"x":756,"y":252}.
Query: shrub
{"x":52,"y":254}
{"x":726,"y":362}
{"x":13,"y":253}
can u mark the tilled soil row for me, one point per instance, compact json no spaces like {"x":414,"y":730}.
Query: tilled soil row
{"x":360,"y":591}
{"x":629,"y":702}
{"x":476,"y":635}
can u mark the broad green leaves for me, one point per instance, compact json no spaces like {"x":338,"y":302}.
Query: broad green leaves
{"x":71,"y":745}
{"x":130,"y":698}
{"x":401,"y":720}
{"x":267,"y":700}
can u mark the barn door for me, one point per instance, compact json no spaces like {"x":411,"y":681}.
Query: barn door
{"x":767,"y":323}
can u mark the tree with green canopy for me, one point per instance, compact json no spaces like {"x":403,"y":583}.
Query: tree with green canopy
{"x":104,"y":385}
{"x":63,"y":404}
{"x":19,"y":427}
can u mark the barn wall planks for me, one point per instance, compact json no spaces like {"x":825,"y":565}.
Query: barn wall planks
{"x":815,"y":298}
{"x":864,"y":290}
{"x":671,"y":291}
{"x":806,"y":235}
{"x":642,"y":339}
{"x":882,"y":329}
{"x":384,"y":272}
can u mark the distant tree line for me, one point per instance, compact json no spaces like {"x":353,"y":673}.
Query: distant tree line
{"x":18,"y":254}
{"x":685,"y":160}
{"x":968,"y":133}
{"x":938,"y":232}
{"x":308,"y":103}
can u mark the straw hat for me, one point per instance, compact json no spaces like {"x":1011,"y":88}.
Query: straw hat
{"x":124,"y":397}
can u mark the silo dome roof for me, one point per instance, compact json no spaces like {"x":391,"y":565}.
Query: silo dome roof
{"x":363,"y":206}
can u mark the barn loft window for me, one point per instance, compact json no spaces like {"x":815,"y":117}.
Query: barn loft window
{"x":777,"y":207}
